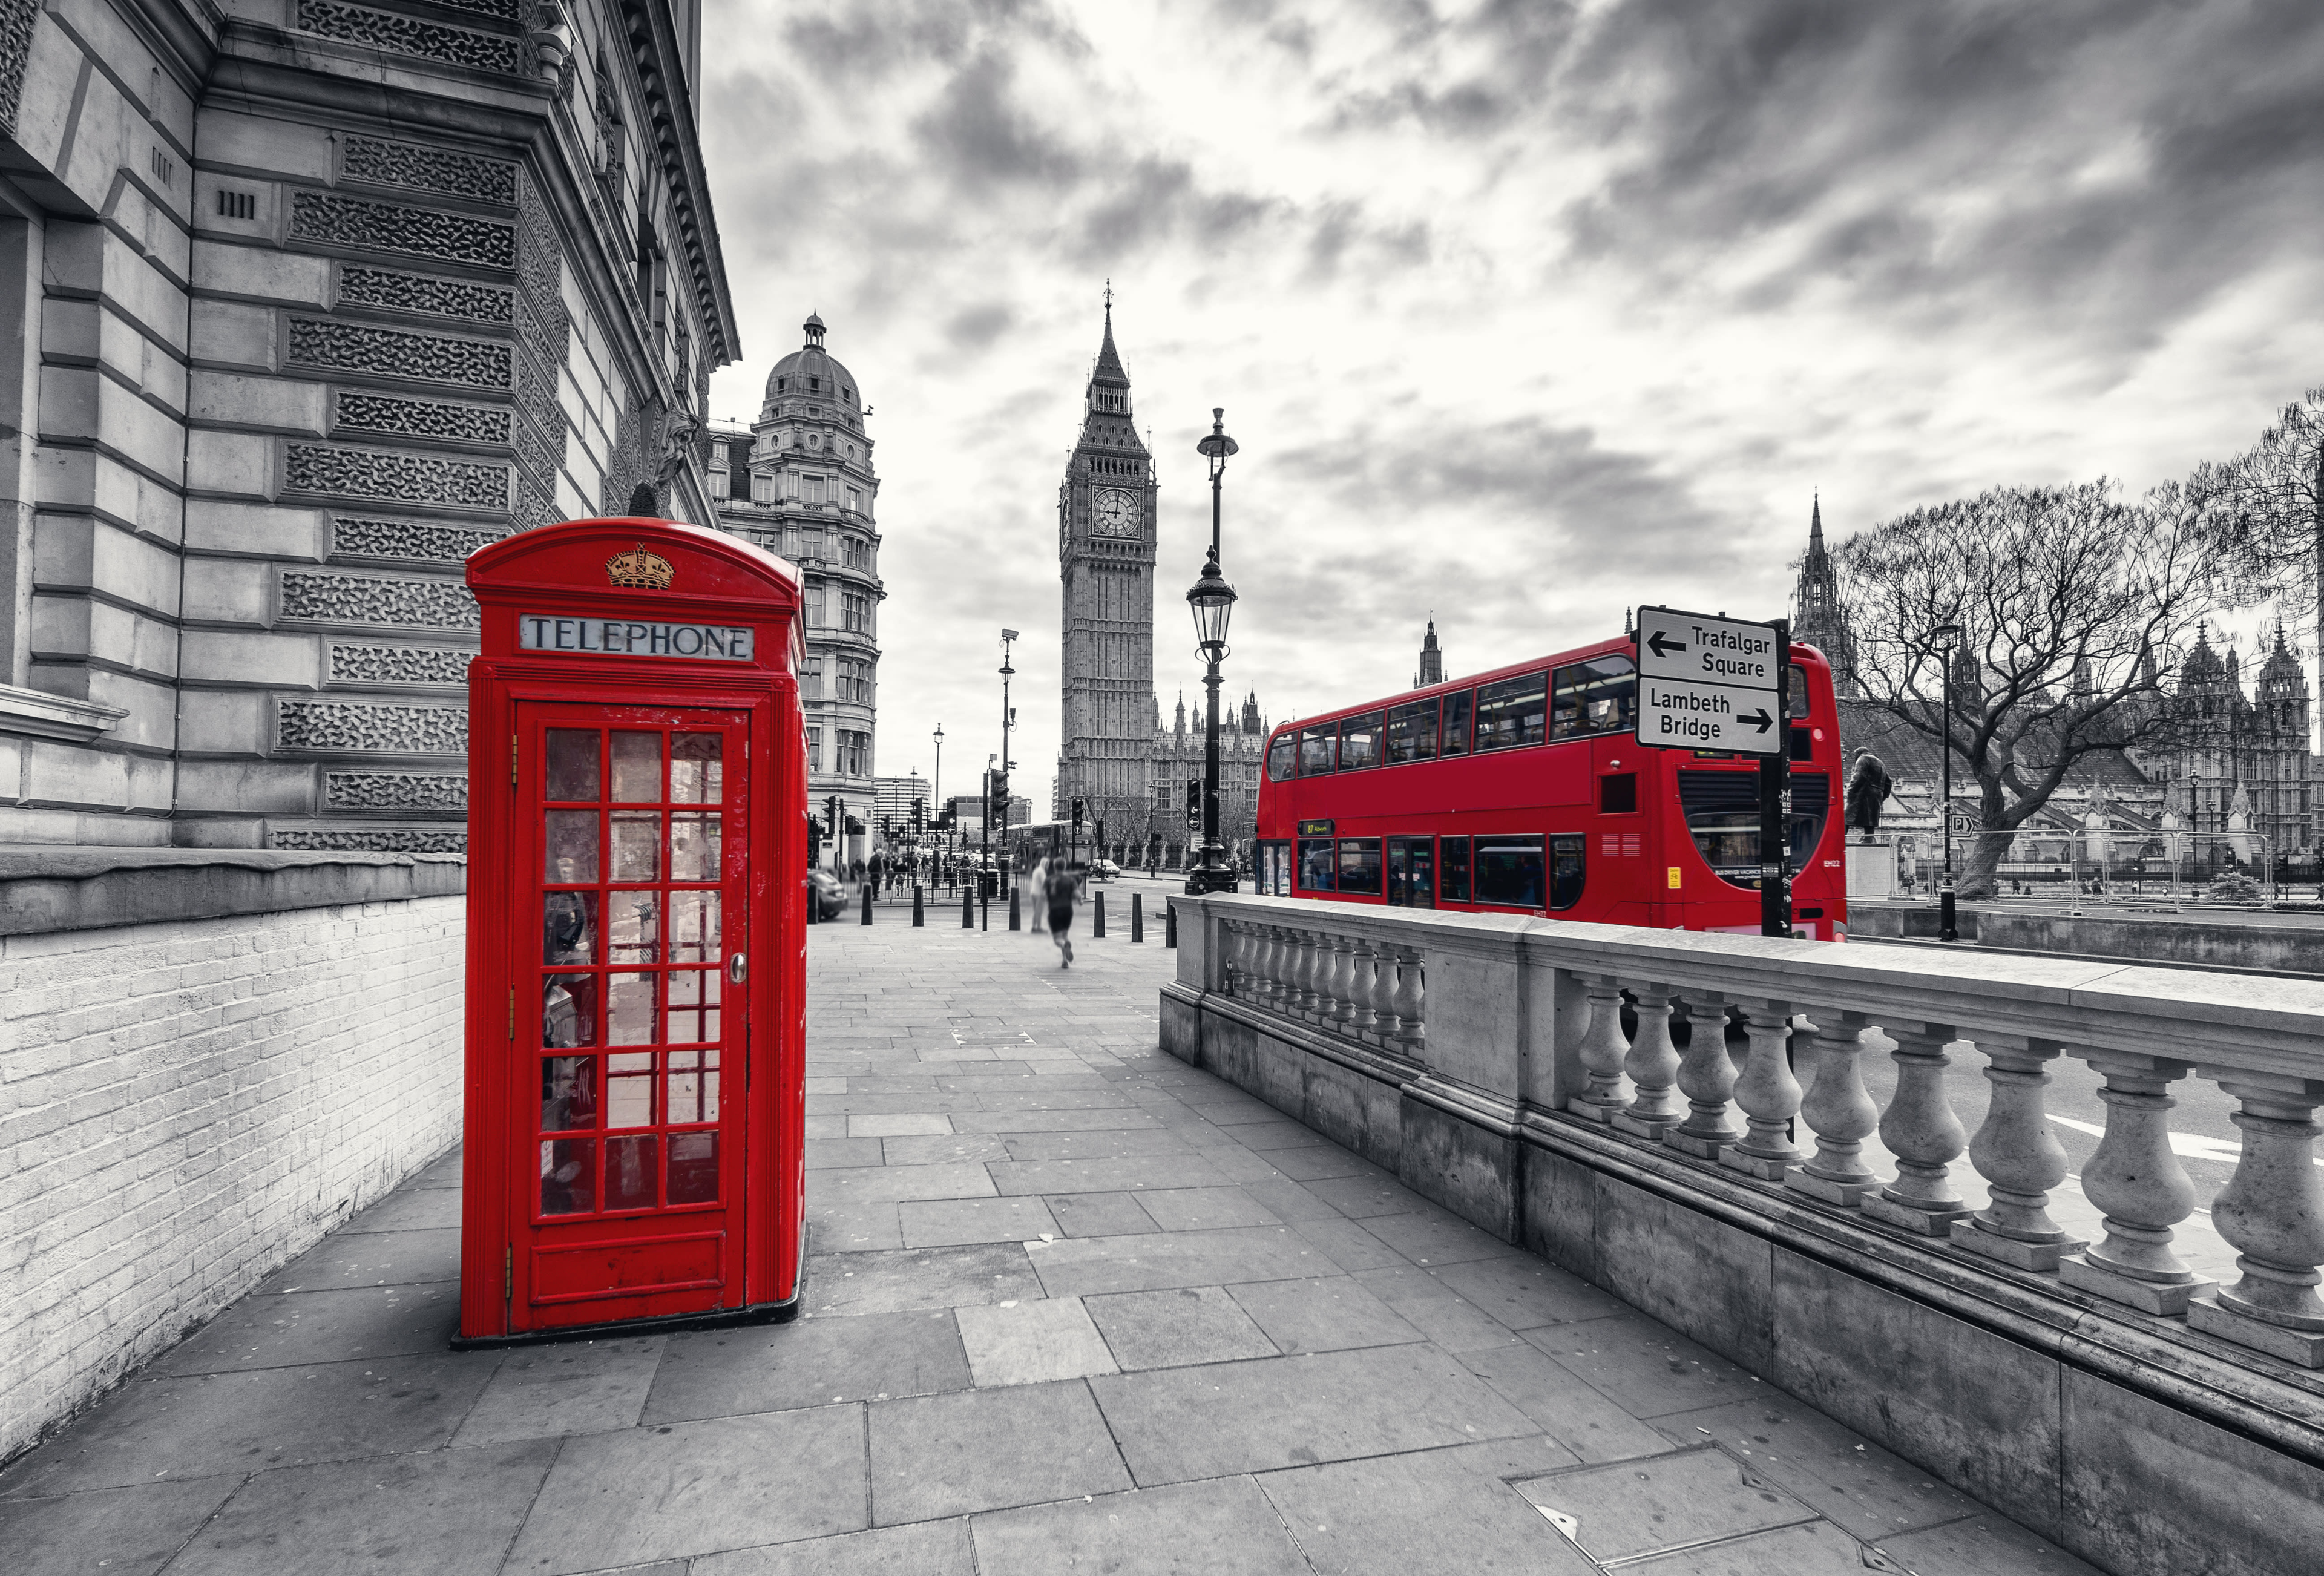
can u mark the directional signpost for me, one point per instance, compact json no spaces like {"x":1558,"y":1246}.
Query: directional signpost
{"x":1717,"y":684}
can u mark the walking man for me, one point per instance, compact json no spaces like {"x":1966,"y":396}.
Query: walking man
{"x":1060,"y":895}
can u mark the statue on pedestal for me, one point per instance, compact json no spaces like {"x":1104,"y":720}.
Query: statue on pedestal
{"x":1868,"y":789}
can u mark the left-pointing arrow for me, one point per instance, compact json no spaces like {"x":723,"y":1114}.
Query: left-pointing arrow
{"x":1661,"y":645}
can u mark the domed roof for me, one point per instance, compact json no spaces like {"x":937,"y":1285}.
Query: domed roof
{"x":813,"y":371}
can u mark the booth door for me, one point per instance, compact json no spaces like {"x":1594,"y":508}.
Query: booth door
{"x":630,"y":1060}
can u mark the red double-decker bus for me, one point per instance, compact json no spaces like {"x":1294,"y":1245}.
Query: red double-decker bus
{"x":1526,"y":790}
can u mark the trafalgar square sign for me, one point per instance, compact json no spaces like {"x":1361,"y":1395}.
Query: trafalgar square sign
{"x":1709,"y":683}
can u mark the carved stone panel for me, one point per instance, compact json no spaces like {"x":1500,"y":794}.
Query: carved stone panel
{"x":362,"y":412}
{"x":396,"y":353}
{"x":16,"y":53}
{"x":405,"y":791}
{"x":402,"y":478}
{"x":350,"y":726}
{"x":387,"y":226}
{"x":371,"y":840}
{"x":438,"y":170}
{"x":410,"y":35}
{"x":405,"y":539}
{"x":363,"y":664}
{"x":509,"y":10}
{"x":371,"y":599}
{"x":390,"y":290}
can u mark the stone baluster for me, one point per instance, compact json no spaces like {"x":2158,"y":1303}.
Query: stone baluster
{"x":1768,"y":1094}
{"x":1273,"y":958}
{"x":1838,"y":1112}
{"x":1301,"y":1003}
{"x":1363,"y":997}
{"x":1344,"y":980}
{"x":2020,"y":1159}
{"x":1391,"y":995}
{"x":2273,"y":1210}
{"x":1603,"y":1051}
{"x":1652,"y":1067}
{"x":1706,"y":1076}
{"x":1231,"y":970}
{"x":1921,"y":1130}
{"x":1411,"y":1001}
{"x":1328,"y":995}
{"x":2140,"y":1185}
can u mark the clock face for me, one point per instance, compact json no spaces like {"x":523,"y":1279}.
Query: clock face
{"x":1116,"y":512}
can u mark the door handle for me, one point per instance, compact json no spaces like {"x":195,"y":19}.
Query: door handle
{"x":738,"y":968}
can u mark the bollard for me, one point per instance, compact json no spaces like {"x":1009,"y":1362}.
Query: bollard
{"x":1169,"y":923}
{"x":918,"y":917}
{"x":1097,"y":926}
{"x":1136,"y":917}
{"x":814,"y":905}
{"x":867,"y":902}
{"x":967,"y":910}
{"x":1016,"y":921}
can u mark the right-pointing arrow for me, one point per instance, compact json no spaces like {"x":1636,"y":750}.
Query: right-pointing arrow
{"x":1661,"y":645}
{"x":1758,"y":719}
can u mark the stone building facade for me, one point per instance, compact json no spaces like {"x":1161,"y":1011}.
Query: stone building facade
{"x":2238,"y":762}
{"x":800,"y":483}
{"x":1105,"y":562}
{"x":1819,"y":619}
{"x":1177,"y":759}
{"x":307,"y":299}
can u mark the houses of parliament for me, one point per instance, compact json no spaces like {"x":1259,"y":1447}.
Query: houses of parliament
{"x":1115,"y":754}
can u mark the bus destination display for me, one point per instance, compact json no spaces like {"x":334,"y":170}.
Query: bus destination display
{"x":1709,"y":684}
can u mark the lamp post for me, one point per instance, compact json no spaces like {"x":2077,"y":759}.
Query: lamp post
{"x":1946,"y":639}
{"x":1212,"y":601}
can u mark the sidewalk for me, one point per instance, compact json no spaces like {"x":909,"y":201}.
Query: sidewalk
{"x":1073,"y":1306}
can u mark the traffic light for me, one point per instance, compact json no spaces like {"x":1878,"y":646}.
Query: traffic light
{"x":919,"y":814}
{"x":831,"y":812}
{"x":1079,"y":805}
{"x":1193,"y":801}
{"x":1099,"y":839}
{"x":996,"y":813}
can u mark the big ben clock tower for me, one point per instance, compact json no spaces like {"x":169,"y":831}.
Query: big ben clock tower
{"x":1105,"y":559}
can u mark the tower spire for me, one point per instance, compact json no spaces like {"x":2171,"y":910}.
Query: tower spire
{"x":1815,"y":525}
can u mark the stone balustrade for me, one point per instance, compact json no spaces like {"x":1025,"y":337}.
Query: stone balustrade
{"x":1747,"y":1053}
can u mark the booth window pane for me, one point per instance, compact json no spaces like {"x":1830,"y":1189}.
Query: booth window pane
{"x":693,"y":1169}
{"x":693,"y":926}
{"x":693,"y":1090}
{"x":693,"y":769}
{"x":694,"y":846}
{"x":637,"y":767}
{"x":568,"y":1094}
{"x":569,"y":1010}
{"x":631,"y":1172}
{"x":632,"y":1014}
{"x":571,"y":841}
{"x":637,"y":845}
{"x":572,"y":764}
{"x":568,"y":1176}
{"x":629,"y":1088}
{"x":634,"y":932}
{"x":568,"y":927}
{"x":693,"y":1004}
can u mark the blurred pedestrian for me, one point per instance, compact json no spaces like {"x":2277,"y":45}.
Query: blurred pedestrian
{"x":1061,"y":891}
{"x":1037,"y":891}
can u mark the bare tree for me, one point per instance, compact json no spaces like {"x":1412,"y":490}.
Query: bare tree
{"x":2268,"y":528}
{"x":2067,"y":598}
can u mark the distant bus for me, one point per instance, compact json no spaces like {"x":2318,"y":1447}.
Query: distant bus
{"x":1524,"y":790}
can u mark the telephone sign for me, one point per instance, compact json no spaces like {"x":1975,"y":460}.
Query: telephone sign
{"x":638,"y":829}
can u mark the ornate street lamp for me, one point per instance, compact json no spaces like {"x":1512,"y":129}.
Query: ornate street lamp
{"x":1946,"y":640}
{"x":1212,"y":601}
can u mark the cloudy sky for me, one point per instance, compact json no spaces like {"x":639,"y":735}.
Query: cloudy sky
{"x":1521,"y":312}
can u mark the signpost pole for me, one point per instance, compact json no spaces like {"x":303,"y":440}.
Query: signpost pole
{"x":1776,"y":803}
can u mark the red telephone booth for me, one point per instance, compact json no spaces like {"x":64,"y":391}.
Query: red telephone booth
{"x":636,"y":1055}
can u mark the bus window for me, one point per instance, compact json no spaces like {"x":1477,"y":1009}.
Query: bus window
{"x":1456,"y":724}
{"x":1411,"y":873}
{"x":1274,"y":870}
{"x":1315,"y":751}
{"x":1282,"y":758}
{"x":1412,"y":731}
{"x":1595,"y":696}
{"x":1795,"y":693}
{"x":1618,"y":793}
{"x":1455,"y":852}
{"x":1509,"y":871}
{"x":1359,"y":741}
{"x":1511,"y":712}
{"x":1722,"y":814}
{"x":1566,"y":872}
{"x":1359,"y":865}
{"x":1314,"y":864}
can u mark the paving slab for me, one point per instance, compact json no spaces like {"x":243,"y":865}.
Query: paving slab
{"x":1651,"y":1504}
{"x":1177,"y":1329}
{"x":953,"y":1223}
{"x":278,"y":1330}
{"x":1849,"y":1479}
{"x":1099,"y":1215}
{"x":987,"y":1449}
{"x":927,"y":1548}
{"x":1428,"y":1510}
{"x":1031,"y":1344}
{"x":1333,"y":1313}
{"x":133,"y":1530}
{"x":815,"y":1362}
{"x":1221,"y":1528}
{"x":542,"y":1392}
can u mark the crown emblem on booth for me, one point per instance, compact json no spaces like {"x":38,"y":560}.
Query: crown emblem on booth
{"x":640,"y":570}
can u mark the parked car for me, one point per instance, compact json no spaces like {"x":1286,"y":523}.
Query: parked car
{"x":830,"y":899}
{"x":1105,"y":869}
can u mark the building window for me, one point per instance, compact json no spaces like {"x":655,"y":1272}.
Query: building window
{"x":854,"y":681}
{"x":811,"y":679}
{"x":762,"y":489}
{"x":738,"y":469}
{"x":813,"y":605}
{"x":856,"y":503}
{"x":815,"y":749}
{"x":854,"y":755}
{"x":814,"y":485}
{"x":856,"y":610}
